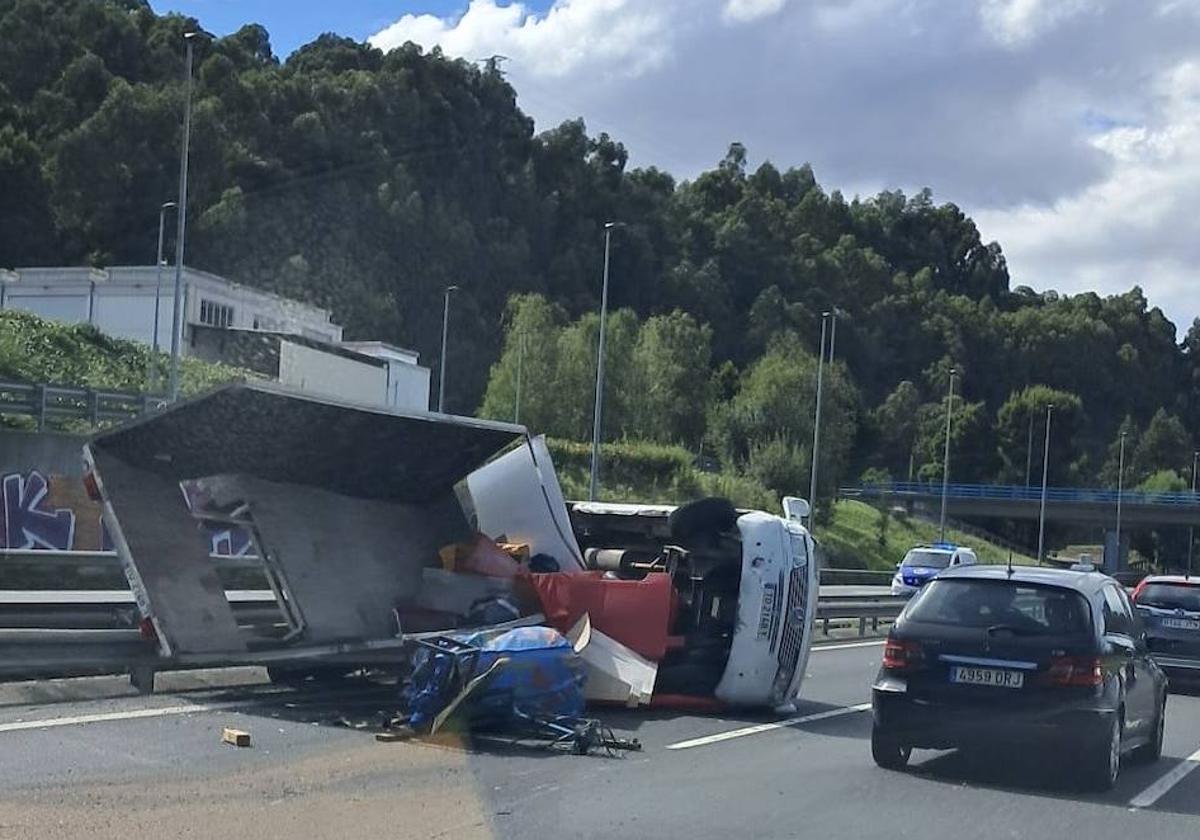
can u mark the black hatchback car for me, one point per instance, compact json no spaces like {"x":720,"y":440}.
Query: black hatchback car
{"x":1027,"y":658}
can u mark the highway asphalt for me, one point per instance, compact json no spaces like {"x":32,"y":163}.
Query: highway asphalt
{"x":122,"y":766}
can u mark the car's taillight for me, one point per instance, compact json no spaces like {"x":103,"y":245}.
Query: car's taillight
{"x":902,"y":655}
{"x":1074,"y":671}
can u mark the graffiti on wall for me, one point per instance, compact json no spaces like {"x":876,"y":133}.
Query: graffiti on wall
{"x":224,"y":540}
{"x":53,"y":512}
{"x":30,"y":518}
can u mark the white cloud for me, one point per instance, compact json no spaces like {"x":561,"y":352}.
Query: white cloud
{"x":1016,"y":22}
{"x":1067,"y":127}
{"x":614,"y":37}
{"x":1136,"y":226}
{"x":748,"y":10}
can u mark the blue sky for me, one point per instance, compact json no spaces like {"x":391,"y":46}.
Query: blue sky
{"x":293,"y":23}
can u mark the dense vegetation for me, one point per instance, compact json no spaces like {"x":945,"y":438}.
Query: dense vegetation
{"x":36,"y":350}
{"x":368,"y":182}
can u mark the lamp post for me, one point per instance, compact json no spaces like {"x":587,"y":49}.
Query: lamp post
{"x":1120,"y":488}
{"x":946,"y":457}
{"x":594,"y":482}
{"x":158,"y":264}
{"x":442,"y":363}
{"x":181,"y":221}
{"x":1045,"y":475}
{"x":816,"y":447}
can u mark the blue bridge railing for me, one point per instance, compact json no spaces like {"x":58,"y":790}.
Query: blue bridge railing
{"x":1000,"y":492}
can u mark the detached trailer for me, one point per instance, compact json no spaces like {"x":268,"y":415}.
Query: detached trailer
{"x":342,"y":509}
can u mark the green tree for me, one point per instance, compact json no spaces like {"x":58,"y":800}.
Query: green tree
{"x":1165,"y":445}
{"x":670,"y":380}
{"x":1014,"y":449}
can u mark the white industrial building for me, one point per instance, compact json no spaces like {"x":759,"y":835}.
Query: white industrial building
{"x":293,"y":342}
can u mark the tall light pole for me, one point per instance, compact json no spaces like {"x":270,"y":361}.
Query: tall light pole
{"x":1120,"y":487}
{"x":1045,"y":475}
{"x":1195,"y":456}
{"x":594,"y":483}
{"x":442,"y":362}
{"x":158,"y":263}
{"x":816,"y":447}
{"x":946,"y":457}
{"x":181,"y":221}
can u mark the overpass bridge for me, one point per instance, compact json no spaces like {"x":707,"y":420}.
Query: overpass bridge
{"x":1063,"y":504}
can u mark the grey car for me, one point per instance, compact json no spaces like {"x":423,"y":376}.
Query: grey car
{"x":1169,"y":606}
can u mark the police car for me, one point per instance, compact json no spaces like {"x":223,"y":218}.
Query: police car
{"x":924,"y":561}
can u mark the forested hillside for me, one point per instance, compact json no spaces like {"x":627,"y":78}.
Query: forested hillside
{"x":368,"y":182}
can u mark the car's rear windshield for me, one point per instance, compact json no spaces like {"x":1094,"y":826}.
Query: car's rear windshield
{"x":1170,"y":596}
{"x":1023,"y":609}
{"x":929,"y":559}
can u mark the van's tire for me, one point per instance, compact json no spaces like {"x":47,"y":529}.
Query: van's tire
{"x":887,"y":750}
{"x":1103,"y":759}
{"x":702,"y":517}
{"x":1152,"y":752}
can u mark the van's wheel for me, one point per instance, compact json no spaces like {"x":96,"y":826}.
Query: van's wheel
{"x":703,"y":516}
{"x":1104,"y":759}
{"x":1152,"y":752}
{"x":887,"y":750}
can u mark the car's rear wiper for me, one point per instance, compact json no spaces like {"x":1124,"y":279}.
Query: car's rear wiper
{"x":1011,"y":628}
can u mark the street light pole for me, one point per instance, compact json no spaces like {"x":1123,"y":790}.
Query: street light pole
{"x":442,"y":363}
{"x":1045,"y":475}
{"x":158,"y":263}
{"x":1188,"y":573}
{"x":946,"y":457}
{"x":181,"y":222}
{"x":1120,"y":487}
{"x":816,"y":447}
{"x":594,"y":482}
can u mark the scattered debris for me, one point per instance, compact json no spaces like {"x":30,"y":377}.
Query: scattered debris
{"x":236,"y":737}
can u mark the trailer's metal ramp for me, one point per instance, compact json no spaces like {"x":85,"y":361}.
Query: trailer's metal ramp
{"x":345,"y":505}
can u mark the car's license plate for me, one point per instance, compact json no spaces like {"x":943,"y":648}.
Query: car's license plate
{"x":1181,"y":623}
{"x":987,"y":676}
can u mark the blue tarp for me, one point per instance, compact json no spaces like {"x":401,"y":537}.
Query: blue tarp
{"x":543,"y":677}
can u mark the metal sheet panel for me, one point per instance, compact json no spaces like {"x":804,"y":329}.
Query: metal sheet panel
{"x":366,"y":452}
{"x":166,"y":558}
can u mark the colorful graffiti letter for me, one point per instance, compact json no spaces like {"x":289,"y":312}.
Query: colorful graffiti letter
{"x":23,"y":522}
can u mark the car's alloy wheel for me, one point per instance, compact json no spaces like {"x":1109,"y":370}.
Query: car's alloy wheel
{"x":1105,"y":763}
{"x":888,"y":753}
{"x":1153,"y":751}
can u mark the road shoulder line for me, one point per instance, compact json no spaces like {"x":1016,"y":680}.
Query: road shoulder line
{"x":767,"y":727}
{"x":1164,"y":784}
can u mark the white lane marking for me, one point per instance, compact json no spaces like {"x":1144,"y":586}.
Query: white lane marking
{"x":133,"y":714}
{"x":1156,"y":791}
{"x":874,"y":643}
{"x":767,"y":727}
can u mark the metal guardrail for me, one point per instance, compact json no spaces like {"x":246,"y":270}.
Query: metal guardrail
{"x":999,"y":492}
{"x":48,"y":403}
{"x":63,"y":632}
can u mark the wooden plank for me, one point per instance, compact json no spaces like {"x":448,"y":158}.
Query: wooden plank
{"x":236,"y":737}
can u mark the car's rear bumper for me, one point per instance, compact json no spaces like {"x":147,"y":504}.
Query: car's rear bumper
{"x":927,"y":724}
{"x":1180,"y":667}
